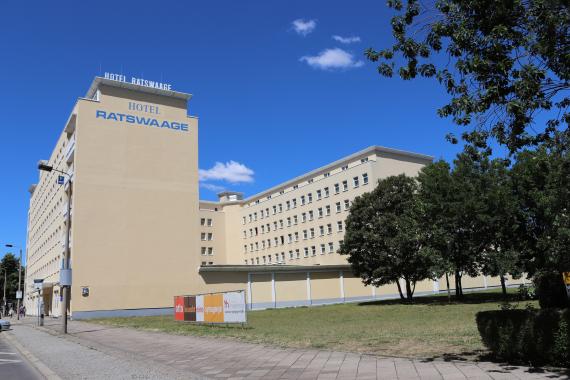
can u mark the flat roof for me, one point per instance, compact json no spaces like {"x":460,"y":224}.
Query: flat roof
{"x":364,"y":152}
{"x":272,"y":268}
{"x":135,"y":87}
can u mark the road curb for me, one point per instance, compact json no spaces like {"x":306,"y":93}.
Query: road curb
{"x":44,"y":370}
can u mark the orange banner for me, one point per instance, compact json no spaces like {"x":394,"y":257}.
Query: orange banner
{"x":214,"y":308}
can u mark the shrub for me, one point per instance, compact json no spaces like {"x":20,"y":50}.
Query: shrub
{"x":535,"y":337}
{"x":550,"y":290}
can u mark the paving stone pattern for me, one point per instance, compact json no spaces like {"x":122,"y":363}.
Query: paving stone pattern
{"x":229,"y":359}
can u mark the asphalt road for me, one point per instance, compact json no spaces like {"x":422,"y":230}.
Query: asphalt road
{"x":12,"y":365}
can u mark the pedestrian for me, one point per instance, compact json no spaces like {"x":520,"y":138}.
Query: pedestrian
{"x":11,"y":312}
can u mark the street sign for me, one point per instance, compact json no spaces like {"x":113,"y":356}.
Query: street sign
{"x":19,"y":294}
{"x":60,"y":180}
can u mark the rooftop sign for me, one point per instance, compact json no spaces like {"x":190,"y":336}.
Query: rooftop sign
{"x":138,"y":81}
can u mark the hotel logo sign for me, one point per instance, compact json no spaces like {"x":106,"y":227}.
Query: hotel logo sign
{"x":139,"y":81}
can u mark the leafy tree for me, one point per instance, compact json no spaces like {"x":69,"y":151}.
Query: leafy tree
{"x":383,"y":238}
{"x":502,"y":224}
{"x":10,"y":263}
{"x":501,"y":62}
{"x":541,"y":179}
{"x":454,"y":213}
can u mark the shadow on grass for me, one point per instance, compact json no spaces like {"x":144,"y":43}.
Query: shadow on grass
{"x":442,"y":299}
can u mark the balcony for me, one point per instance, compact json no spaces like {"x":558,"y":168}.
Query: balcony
{"x":70,"y":150}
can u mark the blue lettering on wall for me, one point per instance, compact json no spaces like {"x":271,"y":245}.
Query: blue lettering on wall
{"x":140,"y":120}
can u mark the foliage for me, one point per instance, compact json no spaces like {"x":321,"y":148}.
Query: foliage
{"x":527,"y":336}
{"x":383,"y":238}
{"x":10,"y":263}
{"x":502,"y":63}
{"x":541,"y":180}
{"x":550,"y":289}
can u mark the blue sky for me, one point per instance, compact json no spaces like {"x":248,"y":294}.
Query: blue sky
{"x":262,"y":88}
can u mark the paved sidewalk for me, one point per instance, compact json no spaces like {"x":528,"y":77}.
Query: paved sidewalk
{"x":229,"y":359}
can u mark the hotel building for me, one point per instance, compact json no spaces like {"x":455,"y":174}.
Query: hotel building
{"x":139,"y":234}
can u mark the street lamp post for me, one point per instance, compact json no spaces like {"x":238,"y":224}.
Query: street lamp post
{"x":19,"y":280}
{"x":65,"y":272}
{"x":4,"y":299}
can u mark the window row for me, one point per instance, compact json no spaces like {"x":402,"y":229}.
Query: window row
{"x":206,"y":236}
{"x":294,"y":220}
{"x":206,"y":222}
{"x":279,"y":258}
{"x":207,"y":251}
{"x":304,"y":199}
{"x":293,"y":237}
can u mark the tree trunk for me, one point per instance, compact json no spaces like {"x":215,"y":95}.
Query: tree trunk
{"x":400,"y":290}
{"x":448,"y":289}
{"x":503,"y":286}
{"x":409,"y":292}
{"x":458,"y":287}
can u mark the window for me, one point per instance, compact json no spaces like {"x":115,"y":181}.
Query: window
{"x":310,"y":180}
{"x":210,"y":251}
{"x":282,"y":256}
{"x":269,"y":243}
{"x":249,"y":218}
{"x":291,"y":256}
{"x":338,"y":209}
{"x":296,"y":236}
{"x":339,"y":225}
{"x":305,"y":235}
{"x":280,"y":223}
{"x":202,"y":221}
{"x":295,"y":219}
{"x":267,"y":213}
{"x":310,"y":197}
{"x":344,"y":185}
{"x":290,"y":238}
{"x":209,"y":236}
{"x":327,"y":210}
{"x":256,"y":231}
{"x":275,"y":226}
{"x":319,"y":194}
{"x":263,"y":244}
{"x":297,"y":253}
{"x":364,"y":160}
{"x":264,"y":260}
{"x":327,"y":174}
{"x":274,"y":210}
{"x":329,"y":228}
{"x":312,"y":233}
{"x":203,"y":250}
{"x":245,"y":248}
{"x":346,"y":204}
{"x":336,"y":188}
{"x":276,"y":239}
{"x":256,"y":246}
{"x":311,"y":215}
{"x":280,"y":207}
{"x":304,"y":217}
{"x":262,"y":229}
{"x":288,"y":205}
{"x":320,"y":212}
{"x":243,"y":220}
{"x":288,"y":221}
{"x":313,"y":250}
{"x":326,"y":192}
{"x":294,"y":202}
{"x":365,"y":178}
{"x":355,"y":182}
{"x":323,"y":249}
{"x":302,"y":200}
{"x":269,"y":258}
{"x":203,"y":236}
{"x":295,"y":187}
{"x":255,"y":216}
{"x":203,"y":263}
{"x":306,"y":252}
{"x":331,"y":247}
{"x":257,"y":260}
{"x":321,"y":230}
{"x":345,"y":167}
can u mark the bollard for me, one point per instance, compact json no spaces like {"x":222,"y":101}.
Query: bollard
{"x":41,"y":319}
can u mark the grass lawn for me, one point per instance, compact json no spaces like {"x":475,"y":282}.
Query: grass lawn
{"x":430,"y":327}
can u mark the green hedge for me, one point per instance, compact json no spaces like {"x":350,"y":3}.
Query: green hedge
{"x":535,"y":337}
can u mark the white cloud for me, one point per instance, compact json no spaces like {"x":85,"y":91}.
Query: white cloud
{"x":304,"y":27}
{"x":232,"y":172}
{"x":212,"y":187}
{"x":331,"y":59}
{"x":346,"y":40}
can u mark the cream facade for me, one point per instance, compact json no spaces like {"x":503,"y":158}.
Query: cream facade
{"x":140,"y":235}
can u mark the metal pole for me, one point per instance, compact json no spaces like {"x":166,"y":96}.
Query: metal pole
{"x":65,"y":289}
{"x":19,"y":282}
{"x":4,"y":299}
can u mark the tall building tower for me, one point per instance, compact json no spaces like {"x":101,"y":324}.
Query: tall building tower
{"x":131,"y":151}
